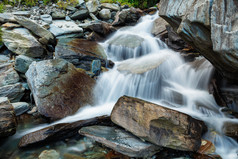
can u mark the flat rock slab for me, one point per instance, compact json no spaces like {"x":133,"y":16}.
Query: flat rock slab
{"x":58,"y":131}
{"x":159,"y":125}
{"x":120,"y":141}
{"x":7,"y":17}
{"x":62,"y":27}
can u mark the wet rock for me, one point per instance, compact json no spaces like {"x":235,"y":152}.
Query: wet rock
{"x":22,"y":63}
{"x":62,"y":27}
{"x":101,"y":28}
{"x":120,"y":141}
{"x":45,"y":36}
{"x":14,"y":92}
{"x":159,"y":27}
{"x":59,"y":89}
{"x":96,"y":67}
{"x":80,"y":15}
{"x":58,"y":15}
{"x":111,"y":6}
{"x":20,"y":107}
{"x":95,"y":37}
{"x":207,"y":147}
{"x":7,"y":17}
{"x":46,"y":18}
{"x":205,"y":28}
{"x":230,"y":129}
{"x":11,"y":25}
{"x":8,"y":75}
{"x":127,"y":16}
{"x":58,"y":132}
{"x":105,"y":14}
{"x":92,"y":6}
{"x":157,"y":124}
{"x":8,"y":122}
{"x":20,"y":41}
{"x":80,"y":52}
{"x":129,"y":41}
{"x":49,"y":154}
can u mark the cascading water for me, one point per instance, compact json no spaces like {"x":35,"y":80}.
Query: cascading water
{"x":147,"y":69}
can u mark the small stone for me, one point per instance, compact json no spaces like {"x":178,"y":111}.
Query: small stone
{"x":46,"y":18}
{"x":67,"y":18}
{"x":80,"y":15}
{"x":111,"y":6}
{"x":92,"y":6}
{"x":96,"y":67}
{"x":20,"y":107}
{"x":22,"y":63}
{"x":105,"y":14}
{"x":49,"y":154}
{"x":14,"y":92}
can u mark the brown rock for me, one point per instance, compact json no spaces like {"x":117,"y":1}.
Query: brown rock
{"x":102,"y":28}
{"x":207,"y":147}
{"x":157,"y":124}
{"x":230,"y":129}
{"x":8,"y":121}
{"x":58,"y":131}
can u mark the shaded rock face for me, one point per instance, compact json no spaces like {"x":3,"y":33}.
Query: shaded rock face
{"x":209,"y":27}
{"x":22,"y":63}
{"x":59,"y":89}
{"x":120,"y":141}
{"x":157,"y":124}
{"x":20,"y":41}
{"x":14,"y":92}
{"x":79,"y":52}
{"x":8,"y":121}
{"x":8,"y":75}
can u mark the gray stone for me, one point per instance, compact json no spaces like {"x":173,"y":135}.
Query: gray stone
{"x":92,"y":6}
{"x":59,"y":89}
{"x":20,"y":107}
{"x":129,"y":41}
{"x":49,"y":154}
{"x":67,"y":18}
{"x":4,"y":59}
{"x":7,"y":17}
{"x":22,"y":13}
{"x":4,"y":100}
{"x":45,"y":36}
{"x":20,"y":41}
{"x":209,"y":27}
{"x":22,"y":63}
{"x":9,"y":25}
{"x":157,"y":124}
{"x":159,"y":26}
{"x":62,"y":27}
{"x":96,"y":67}
{"x":80,"y":2}
{"x":71,"y":8}
{"x":14,"y":92}
{"x":58,"y":15}
{"x":105,"y":14}
{"x":120,"y":141}
{"x":8,"y":75}
{"x":80,"y":15}
{"x":46,"y":18}
{"x":111,"y":6}
{"x":93,"y":16}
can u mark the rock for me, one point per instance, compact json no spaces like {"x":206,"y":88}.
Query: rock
{"x":120,"y":141}
{"x":96,"y":67}
{"x":80,"y":2}
{"x":70,"y":8}
{"x":93,"y":16}
{"x":111,"y":6}
{"x":205,"y":28}
{"x":92,"y":6}
{"x":58,"y":132}
{"x":14,"y":92}
{"x":67,"y":18}
{"x":230,"y":129}
{"x":58,"y":15}
{"x":101,"y":28}
{"x":207,"y":147}
{"x":45,"y":36}
{"x":8,"y":75}
{"x":80,"y":52}
{"x":129,"y":41}
{"x":94,"y":37}
{"x":4,"y":59}
{"x":7,"y":17}
{"x":157,"y":124}
{"x":80,"y":14}
{"x":49,"y":154}
{"x":127,"y":16}
{"x":22,"y":63}
{"x":8,"y":121}
{"x":20,"y":107}
{"x":22,"y":13}
{"x":59,"y":89}
{"x":62,"y":27}
{"x":159,"y":27}
{"x":20,"y":41}
{"x":46,"y":18}
{"x":105,"y":14}
{"x":9,"y":25}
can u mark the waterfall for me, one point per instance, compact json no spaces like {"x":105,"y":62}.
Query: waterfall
{"x":147,"y":69}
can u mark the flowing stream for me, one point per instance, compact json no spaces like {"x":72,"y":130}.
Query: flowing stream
{"x":155,"y":73}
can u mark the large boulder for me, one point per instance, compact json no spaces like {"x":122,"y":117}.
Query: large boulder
{"x":209,"y":27}
{"x":59,"y":89}
{"x":8,"y":121}
{"x":8,"y":75}
{"x":45,"y":35}
{"x":20,"y":41}
{"x":157,"y":124}
{"x":120,"y":141}
{"x":80,"y":52}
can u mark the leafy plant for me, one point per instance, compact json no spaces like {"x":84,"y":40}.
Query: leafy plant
{"x":2,"y":7}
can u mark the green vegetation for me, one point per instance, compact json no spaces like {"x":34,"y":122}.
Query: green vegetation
{"x":134,"y":3}
{"x":2,"y":7}
{"x":64,"y":4}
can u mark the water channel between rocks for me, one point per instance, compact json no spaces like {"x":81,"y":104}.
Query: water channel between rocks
{"x":147,"y":69}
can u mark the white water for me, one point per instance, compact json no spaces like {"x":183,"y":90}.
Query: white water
{"x":158,"y":74}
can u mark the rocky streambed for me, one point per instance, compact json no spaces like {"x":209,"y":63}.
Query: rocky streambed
{"x":101,"y":80}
